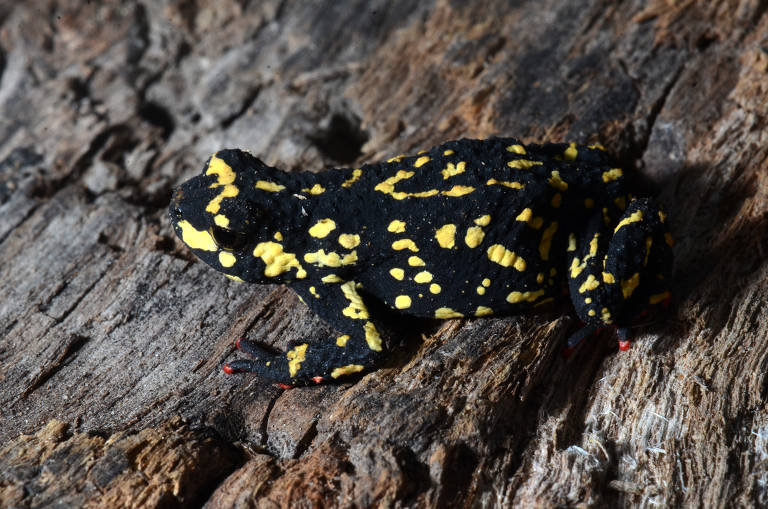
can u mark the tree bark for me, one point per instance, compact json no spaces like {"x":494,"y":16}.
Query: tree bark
{"x":112,"y":336}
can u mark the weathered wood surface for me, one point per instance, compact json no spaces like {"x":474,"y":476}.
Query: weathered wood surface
{"x":109,"y":326}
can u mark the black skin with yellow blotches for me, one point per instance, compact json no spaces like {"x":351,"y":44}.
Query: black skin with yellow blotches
{"x":470,"y":228}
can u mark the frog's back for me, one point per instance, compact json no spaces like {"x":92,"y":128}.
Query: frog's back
{"x":458,"y":229}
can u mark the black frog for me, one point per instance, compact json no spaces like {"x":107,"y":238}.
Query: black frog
{"x":470,"y":228}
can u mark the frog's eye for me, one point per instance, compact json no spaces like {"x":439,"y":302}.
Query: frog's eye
{"x":226,"y":239}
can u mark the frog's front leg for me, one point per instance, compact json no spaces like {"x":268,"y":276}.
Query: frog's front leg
{"x":618,"y":269}
{"x":357,"y":348}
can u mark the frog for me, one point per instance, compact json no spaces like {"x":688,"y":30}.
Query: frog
{"x":471,"y":228}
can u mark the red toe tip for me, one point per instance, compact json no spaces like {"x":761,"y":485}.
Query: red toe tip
{"x":237,"y":343}
{"x":317,"y":379}
{"x":228,"y":369}
{"x":624,"y":345}
{"x":285,"y":386}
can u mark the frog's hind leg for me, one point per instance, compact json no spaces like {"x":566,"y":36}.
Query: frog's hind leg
{"x":619,"y":269}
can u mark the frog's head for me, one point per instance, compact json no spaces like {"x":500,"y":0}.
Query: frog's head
{"x":233,"y":216}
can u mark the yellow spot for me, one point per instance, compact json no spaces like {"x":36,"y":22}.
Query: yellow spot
{"x":313,"y":291}
{"x":648,"y":244}
{"x":592,"y":247}
{"x":331,"y":278}
{"x":526,"y":216}
{"x":234,"y":278}
{"x":349,"y":240}
{"x":606,"y":217}
{"x":356,"y":308}
{"x":372,"y":337}
{"x":588,"y":300}
{"x":628,"y":285}
{"x":396,"y":226}
{"x":504,"y":257}
{"x":227,"y":259}
{"x":589,"y":203}
{"x":513,"y":185}
{"x":483,"y":311}
{"x":196,"y":239}
{"x":612,"y":174}
{"x":516,"y":149}
{"x":659,"y":297}
{"x":571,"y":152}
{"x":423,"y":277}
{"x":388,"y":186}
{"x":402,"y":302}
{"x":577,"y":267}
{"x":483,"y":220}
{"x":295,"y":358}
{"x":356,"y":173}
{"x":445,"y":236}
{"x":221,"y":220}
{"x":597,"y":146}
{"x":346,"y":370}
{"x":522,"y":164}
{"x":342,"y":340}
{"x":480,"y":290}
{"x":669,"y":240}
{"x":277,"y":262}
{"x":540,"y":278}
{"x":272,"y":187}
{"x":608,"y":278}
{"x":662,"y":217}
{"x":322,"y":228}
{"x":458,"y":191}
{"x":434,"y":288}
{"x":557,"y":199}
{"x":516,"y":297}
{"x":635,"y":217}
{"x":557,"y":182}
{"x":620,"y":202}
{"x":571,"y":242}
{"x":225,"y":177}
{"x":591,"y":312}
{"x":447,"y":313}
{"x":421,"y":161}
{"x":397,"y":273}
{"x":415,"y":261}
{"x":448,"y":152}
{"x":396,"y":159}
{"x":408,"y":244}
{"x":486,"y":282}
{"x":278,"y":236}
{"x":316,"y":189}
{"x":605,"y":315}
{"x":454,"y":169}
{"x":589,"y":284}
{"x":474,"y":236}
{"x":546,"y":240}
{"x":331,"y":259}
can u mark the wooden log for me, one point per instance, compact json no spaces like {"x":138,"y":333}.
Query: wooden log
{"x":112,"y":336}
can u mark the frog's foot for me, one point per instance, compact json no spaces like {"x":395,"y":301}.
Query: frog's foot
{"x":262,"y":362}
{"x":622,"y":333}
{"x":577,"y":337}
{"x":303,"y":363}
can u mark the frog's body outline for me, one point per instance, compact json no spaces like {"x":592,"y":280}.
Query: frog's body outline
{"x":469,"y":228}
